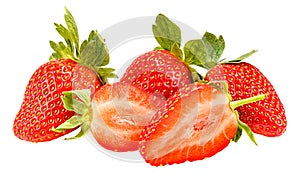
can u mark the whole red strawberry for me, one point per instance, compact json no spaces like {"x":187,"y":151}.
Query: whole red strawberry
{"x":164,"y":70}
{"x":266,"y":117}
{"x":42,"y":109}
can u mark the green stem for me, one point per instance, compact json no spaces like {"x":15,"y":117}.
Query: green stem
{"x":235,"y":104}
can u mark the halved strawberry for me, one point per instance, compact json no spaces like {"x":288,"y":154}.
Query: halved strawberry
{"x":197,"y":122}
{"x":115,"y":116}
{"x":120,"y":113}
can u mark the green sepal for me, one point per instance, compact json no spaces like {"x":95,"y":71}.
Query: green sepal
{"x":105,"y":73}
{"x":238,"y":134}
{"x":71,"y":123}
{"x":60,"y":51}
{"x":214,"y":46}
{"x":70,"y":34}
{"x":239,"y":59}
{"x":195,"y":52}
{"x":95,"y":53}
{"x":204,"y":52}
{"x":241,"y":125}
{"x":78,"y":101}
{"x":197,"y":77}
{"x":85,"y":127}
{"x":175,"y":50}
{"x":73,"y":30}
{"x":166,"y":32}
{"x":248,"y":131}
{"x":92,"y":52}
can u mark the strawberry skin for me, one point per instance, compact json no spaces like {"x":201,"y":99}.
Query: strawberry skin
{"x":266,"y":117}
{"x":158,"y":72}
{"x":120,"y":112}
{"x":195,"y":123}
{"x":42,"y":108}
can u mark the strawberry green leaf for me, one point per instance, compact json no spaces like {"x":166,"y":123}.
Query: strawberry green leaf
{"x":204,"y":52}
{"x":85,"y":127}
{"x":80,"y":102}
{"x":73,"y":30}
{"x":77,"y":101}
{"x":166,"y":32}
{"x":83,"y":95}
{"x":71,"y":37}
{"x":92,"y":52}
{"x":238,"y":134}
{"x":107,"y":72}
{"x":95,"y":54}
{"x":242,"y":57}
{"x":61,"y":51}
{"x":195,"y":52}
{"x":83,"y":45}
{"x":248,"y":131}
{"x":195,"y":75}
{"x":214,"y":46}
{"x":71,"y":123}
{"x":175,"y":50}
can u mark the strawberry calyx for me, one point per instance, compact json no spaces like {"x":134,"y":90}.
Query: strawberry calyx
{"x":168,"y":36}
{"x":223,"y":86}
{"x":241,"y":125}
{"x":78,"y":101}
{"x":205,"y":52}
{"x":92,"y":52}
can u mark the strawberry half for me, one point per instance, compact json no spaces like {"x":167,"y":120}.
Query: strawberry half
{"x":120,"y":113}
{"x":42,"y":109}
{"x":196,"y":122}
{"x":266,"y":117}
{"x":115,"y":116}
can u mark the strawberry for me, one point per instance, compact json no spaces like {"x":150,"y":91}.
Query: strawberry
{"x":115,"y":116}
{"x":266,"y":117}
{"x":42,"y":108}
{"x":197,"y":122}
{"x":164,"y":70}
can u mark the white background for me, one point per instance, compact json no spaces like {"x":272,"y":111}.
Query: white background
{"x":272,"y":27}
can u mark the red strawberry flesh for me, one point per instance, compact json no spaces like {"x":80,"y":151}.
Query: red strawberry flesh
{"x":196,"y":123}
{"x":120,"y":113}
